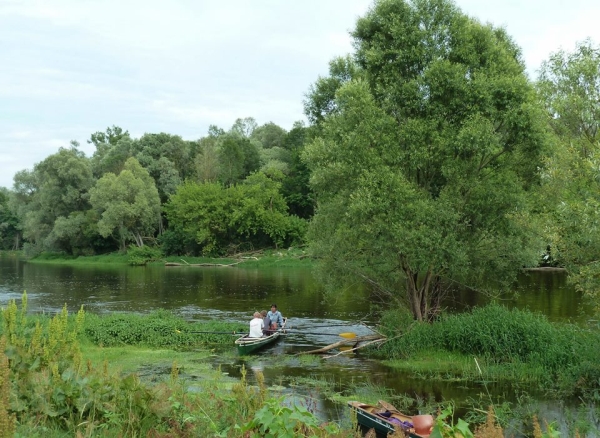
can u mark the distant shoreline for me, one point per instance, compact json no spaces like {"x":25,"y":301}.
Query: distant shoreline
{"x":288,"y":258}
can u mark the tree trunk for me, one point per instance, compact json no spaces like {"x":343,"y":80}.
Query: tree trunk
{"x":139,"y":241}
{"x":122,"y":239}
{"x":161,"y":226}
{"x":424,"y":293}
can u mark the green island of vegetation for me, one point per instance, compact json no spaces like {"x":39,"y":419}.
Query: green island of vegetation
{"x":431,"y":161}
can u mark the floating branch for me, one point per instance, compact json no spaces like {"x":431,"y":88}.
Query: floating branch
{"x":355,"y":342}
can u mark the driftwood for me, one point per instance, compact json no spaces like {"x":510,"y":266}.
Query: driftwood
{"x":376,"y":341}
{"x":353,"y":341}
{"x":204,"y":264}
{"x":546,"y":268}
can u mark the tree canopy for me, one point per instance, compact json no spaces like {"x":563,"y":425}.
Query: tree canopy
{"x":569,"y":84}
{"x":424,"y":158}
{"x":217,"y":217}
{"x":129,"y":204}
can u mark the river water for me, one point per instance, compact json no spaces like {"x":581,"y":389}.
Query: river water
{"x":233,"y":294}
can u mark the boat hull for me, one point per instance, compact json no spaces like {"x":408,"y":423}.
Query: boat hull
{"x":246,"y":345}
{"x":367,"y":419}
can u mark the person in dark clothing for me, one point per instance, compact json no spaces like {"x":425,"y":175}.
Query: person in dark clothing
{"x":266,"y":322}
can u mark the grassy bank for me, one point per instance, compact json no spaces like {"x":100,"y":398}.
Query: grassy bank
{"x":292,"y":257}
{"x":86,"y":376}
{"x":153,"y":375}
{"x":494,"y":343}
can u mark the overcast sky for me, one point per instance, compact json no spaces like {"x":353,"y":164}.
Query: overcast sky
{"x":72,"y":67}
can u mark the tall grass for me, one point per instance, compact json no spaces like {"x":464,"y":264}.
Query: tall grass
{"x":55,"y":258}
{"x":561,"y":356}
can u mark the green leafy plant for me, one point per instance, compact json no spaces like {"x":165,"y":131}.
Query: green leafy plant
{"x":141,"y":255}
{"x":158,"y":329}
{"x":444,"y":426}
{"x":276,"y":420}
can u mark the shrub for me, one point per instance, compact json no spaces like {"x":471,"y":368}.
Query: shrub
{"x":141,"y":255}
{"x":565,"y":353}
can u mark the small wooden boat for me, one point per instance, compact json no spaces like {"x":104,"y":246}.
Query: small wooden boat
{"x":246,"y":345}
{"x":384,"y":419}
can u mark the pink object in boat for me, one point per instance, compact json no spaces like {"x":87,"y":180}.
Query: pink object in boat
{"x":422,"y":424}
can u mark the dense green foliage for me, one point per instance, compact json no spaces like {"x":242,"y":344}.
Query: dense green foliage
{"x":52,"y":203}
{"x":76,"y":205}
{"x":142,"y":255}
{"x":570,"y":87}
{"x":128,"y":204}
{"x":159,"y":329}
{"x":425,"y":157}
{"x":9,"y":223}
{"x":212,"y":218}
{"x":563,"y":356}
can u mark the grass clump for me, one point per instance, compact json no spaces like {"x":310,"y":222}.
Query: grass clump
{"x":157,"y":329}
{"x":513,"y":344}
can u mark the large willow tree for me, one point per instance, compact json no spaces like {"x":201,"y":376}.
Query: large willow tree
{"x":428,"y":147}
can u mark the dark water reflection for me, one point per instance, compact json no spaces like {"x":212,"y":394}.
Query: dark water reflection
{"x":196,"y":293}
{"x":200,"y":293}
{"x":541,"y":291}
{"x":234,"y":293}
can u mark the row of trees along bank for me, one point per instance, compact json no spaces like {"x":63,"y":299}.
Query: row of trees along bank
{"x":252,"y":185}
{"x":433,"y":160}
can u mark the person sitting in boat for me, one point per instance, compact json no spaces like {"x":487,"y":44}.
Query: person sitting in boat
{"x":256,"y":326}
{"x":275,"y":316}
{"x":266,"y":323}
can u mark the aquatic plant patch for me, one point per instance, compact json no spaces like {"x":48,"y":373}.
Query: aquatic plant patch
{"x":158,"y":329}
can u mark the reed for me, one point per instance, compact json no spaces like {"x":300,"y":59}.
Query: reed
{"x":7,"y":419}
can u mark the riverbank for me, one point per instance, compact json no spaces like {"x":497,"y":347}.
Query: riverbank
{"x":132,"y":375}
{"x":288,"y":258}
{"x":496,"y":344}
{"x":151,"y":374}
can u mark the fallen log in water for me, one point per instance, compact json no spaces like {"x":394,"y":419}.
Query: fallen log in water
{"x":203,"y":264}
{"x":354,"y":342}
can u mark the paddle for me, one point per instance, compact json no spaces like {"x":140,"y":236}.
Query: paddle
{"x":215,"y":333}
{"x":347,"y":335}
{"x":321,"y":326}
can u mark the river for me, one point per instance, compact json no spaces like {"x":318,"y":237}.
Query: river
{"x":233,"y":294}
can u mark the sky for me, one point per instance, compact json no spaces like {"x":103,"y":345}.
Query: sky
{"x":69,"y":68}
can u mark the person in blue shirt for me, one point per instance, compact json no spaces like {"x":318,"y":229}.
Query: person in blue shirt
{"x":275,"y":316}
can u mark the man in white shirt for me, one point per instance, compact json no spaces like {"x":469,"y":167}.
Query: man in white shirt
{"x":256,"y":326}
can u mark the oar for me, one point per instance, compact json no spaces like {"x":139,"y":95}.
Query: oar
{"x":348,"y":335}
{"x":215,"y":333}
{"x":323,"y":326}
